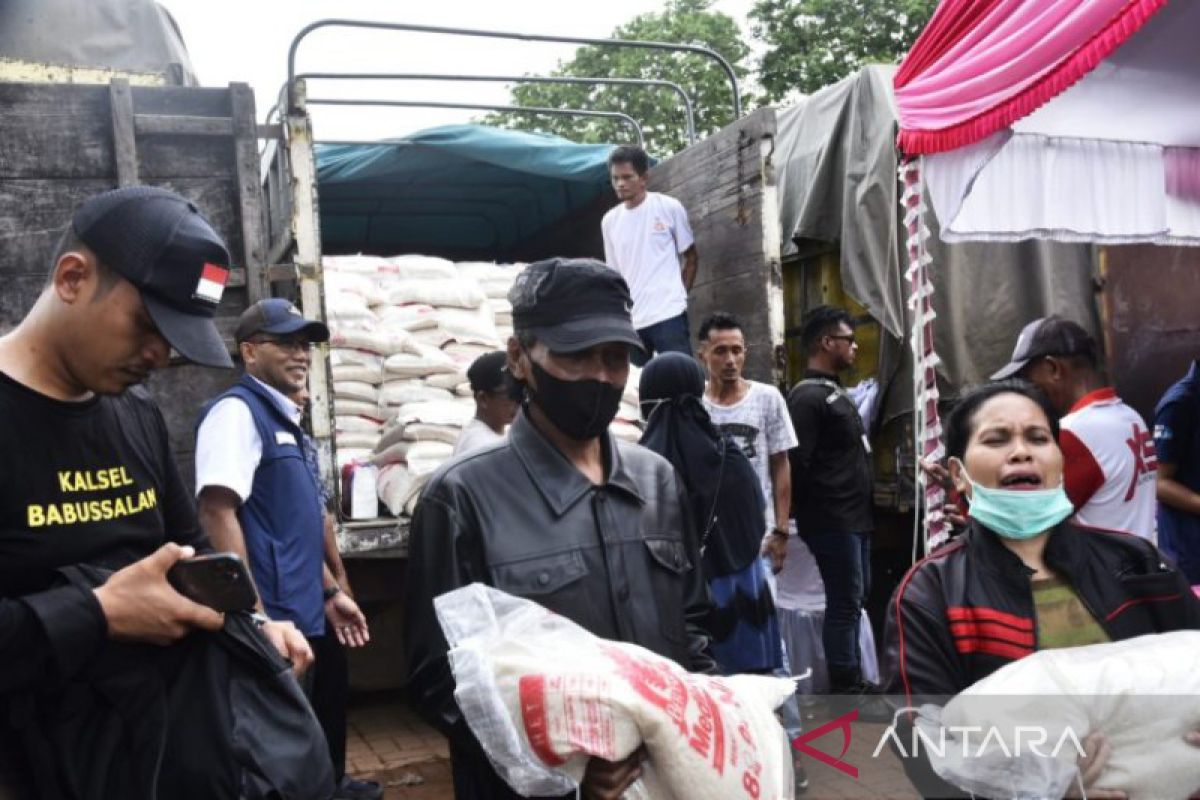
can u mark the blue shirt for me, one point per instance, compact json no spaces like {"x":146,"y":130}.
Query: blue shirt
{"x":1177,"y":441}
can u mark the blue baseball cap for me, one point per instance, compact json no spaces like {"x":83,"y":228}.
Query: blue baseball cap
{"x":279,"y":317}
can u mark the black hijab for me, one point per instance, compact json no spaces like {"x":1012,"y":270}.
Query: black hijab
{"x":726,"y":499}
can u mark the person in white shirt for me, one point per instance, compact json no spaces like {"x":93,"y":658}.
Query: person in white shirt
{"x":497,"y":398}
{"x":1109,"y":459}
{"x":646,"y":236}
{"x":261,"y":497}
{"x":755,"y":416}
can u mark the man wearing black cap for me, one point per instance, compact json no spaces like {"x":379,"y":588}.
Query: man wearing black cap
{"x":259,"y":497}
{"x":562,"y":513}
{"x":497,"y":398}
{"x":1109,"y":458}
{"x":89,"y":483}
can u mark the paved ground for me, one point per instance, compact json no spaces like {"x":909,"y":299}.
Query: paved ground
{"x":387,"y":742}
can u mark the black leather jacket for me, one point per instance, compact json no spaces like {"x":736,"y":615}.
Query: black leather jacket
{"x":619,"y":559}
{"x":968,"y":609}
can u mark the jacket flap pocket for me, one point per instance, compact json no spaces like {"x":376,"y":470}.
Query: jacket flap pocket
{"x":542,"y":575}
{"x":669,"y":553}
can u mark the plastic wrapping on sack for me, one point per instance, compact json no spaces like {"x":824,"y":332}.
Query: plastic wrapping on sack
{"x":417,"y":267}
{"x":355,"y":440}
{"x":458,"y":292}
{"x":347,"y":306}
{"x":395,"y":486}
{"x":432,"y":337}
{"x":356,"y":424}
{"x":427,"y":432}
{"x":428,"y":361}
{"x":542,"y":696}
{"x":410,"y":390}
{"x":358,"y":408}
{"x":464,"y":390}
{"x":457,"y":412}
{"x":1139,"y":693}
{"x":378,"y":339}
{"x":447,"y":380}
{"x":356,"y":375}
{"x":411,"y":317}
{"x":356,"y":284}
{"x":356,"y":390}
{"x":475,"y":325}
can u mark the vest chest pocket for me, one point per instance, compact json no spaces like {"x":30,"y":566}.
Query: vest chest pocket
{"x":539,"y":576}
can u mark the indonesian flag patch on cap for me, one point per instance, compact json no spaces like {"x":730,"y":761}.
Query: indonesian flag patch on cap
{"x":211,"y":285}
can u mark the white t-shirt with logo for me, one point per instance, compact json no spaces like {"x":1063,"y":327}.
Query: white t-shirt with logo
{"x":644,"y":244}
{"x":759,"y":423}
{"x":1110,"y":465}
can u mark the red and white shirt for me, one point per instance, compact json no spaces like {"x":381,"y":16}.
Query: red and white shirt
{"x":1109,"y":465}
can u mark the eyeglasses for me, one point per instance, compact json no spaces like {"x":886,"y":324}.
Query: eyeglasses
{"x":291,"y":345}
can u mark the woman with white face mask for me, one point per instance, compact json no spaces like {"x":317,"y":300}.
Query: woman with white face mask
{"x":1022,"y":578}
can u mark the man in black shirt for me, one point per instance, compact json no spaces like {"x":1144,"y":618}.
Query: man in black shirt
{"x":832,"y":488}
{"x":87,"y":479}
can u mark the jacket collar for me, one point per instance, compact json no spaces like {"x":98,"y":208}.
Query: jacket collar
{"x":556,"y":479}
{"x":1063,"y":552}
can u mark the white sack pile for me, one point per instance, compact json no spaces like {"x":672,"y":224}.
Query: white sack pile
{"x":542,"y":696}
{"x":403,"y":331}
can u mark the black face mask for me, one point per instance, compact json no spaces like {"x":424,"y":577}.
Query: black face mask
{"x":581,"y":409}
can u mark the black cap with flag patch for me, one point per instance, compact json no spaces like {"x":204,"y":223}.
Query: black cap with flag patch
{"x":163,"y":245}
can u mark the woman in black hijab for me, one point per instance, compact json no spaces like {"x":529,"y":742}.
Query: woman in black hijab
{"x":726,"y":505}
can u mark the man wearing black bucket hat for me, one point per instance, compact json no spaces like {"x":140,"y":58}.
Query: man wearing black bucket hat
{"x":562,"y":513}
{"x":89,"y":484}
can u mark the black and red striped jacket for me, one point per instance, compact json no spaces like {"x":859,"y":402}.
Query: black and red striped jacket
{"x":967,"y":610}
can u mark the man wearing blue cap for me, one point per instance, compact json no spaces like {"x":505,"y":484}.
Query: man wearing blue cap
{"x":89,"y":487}
{"x":260,"y":498}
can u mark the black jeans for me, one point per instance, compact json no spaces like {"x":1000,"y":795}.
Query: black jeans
{"x":844,"y":560}
{"x":327,"y":684}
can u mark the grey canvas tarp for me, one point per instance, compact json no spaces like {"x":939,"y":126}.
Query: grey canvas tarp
{"x":130,"y":35}
{"x":836,"y":164}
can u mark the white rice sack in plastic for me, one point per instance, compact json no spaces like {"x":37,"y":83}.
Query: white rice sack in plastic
{"x":390,"y":434}
{"x":456,"y":412}
{"x":426,"y":361}
{"x":464,"y":390}
{"x":630,"y":395}
{"x":542,"y":696}
{"x":470,"y":325}
{"x":433,"y":337}
{"x":347,"y":306}
{"x":357,"y":284}
{"x":418,"y":267}
{"x":358,"y":375}
{"x":627,"y":412}
{"x":427,"y":432}
{"x":465,"y":354}
{"x":356,"y":441}
{"x":357,"y":408}
{"x":424,"y":458}
{"x":402,"y":392}
{"x":459,"y":293}
{"x":500,"y":306}
{"x":487,"y":271}
{"x":447,"y":380}
{"x":378,"y":339}
{"x":394,"y":486}
{"x":355,"y":424}
{"x":1139,"y":693}
{"x":504,"y":319}
{"x":411,"y":317}
{"x":626,"y":431}
{"x":363,"y":265}
{"x":346,"y":455}
{"x":496,"y":289}
{"x":355,"y":390}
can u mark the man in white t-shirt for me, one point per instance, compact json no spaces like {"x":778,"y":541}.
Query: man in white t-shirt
{"x":496,"y":403}
{"x":645,"y":237}
{"x":755,"y":416}
{"x":1109,"y":460}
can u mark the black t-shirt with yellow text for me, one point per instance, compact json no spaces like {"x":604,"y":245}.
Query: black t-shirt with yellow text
{"x":87,"y":482}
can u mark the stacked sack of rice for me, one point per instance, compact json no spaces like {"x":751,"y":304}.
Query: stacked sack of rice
{"x":403,"y":331}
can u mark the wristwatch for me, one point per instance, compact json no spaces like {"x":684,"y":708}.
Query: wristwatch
{"x":330,"y":592}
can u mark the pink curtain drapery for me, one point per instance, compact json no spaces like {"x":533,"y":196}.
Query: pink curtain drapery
{"x":980,"y":65}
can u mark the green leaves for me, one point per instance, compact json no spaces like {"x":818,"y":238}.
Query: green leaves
{"x":813,"y":43}
{"x":659,"y":110}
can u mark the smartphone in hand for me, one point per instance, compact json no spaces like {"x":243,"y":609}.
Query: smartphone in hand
{"x":220,"y":581}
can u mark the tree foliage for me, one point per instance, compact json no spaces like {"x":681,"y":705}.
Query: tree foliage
{"x":813,"y":43}
{"x":659,"y":110}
